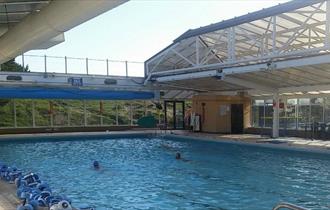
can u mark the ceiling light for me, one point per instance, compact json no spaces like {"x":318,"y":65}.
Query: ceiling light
{"x":325,"y":91}
{"x":313,"y":92}
{"x":288,"y":94}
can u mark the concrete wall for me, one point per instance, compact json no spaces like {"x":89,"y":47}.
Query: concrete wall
{"x":216,"y":117}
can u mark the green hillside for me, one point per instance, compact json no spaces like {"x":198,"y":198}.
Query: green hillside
{"x":71,"y":112}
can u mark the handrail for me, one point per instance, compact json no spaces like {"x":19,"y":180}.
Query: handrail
{"x":288,"y":206}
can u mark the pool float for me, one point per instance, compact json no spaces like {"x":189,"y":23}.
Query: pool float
{"x":25,"y":207}
{"x":20,"y":182}
{"x":12,"y":174}
{"x":34,"y":192}
{"x":43,"y":186}
{"x":42,"y":198}
{"x":62,"y":205}
{"x":32,"y":179}
{"x":34,"y":204}
{"x":3,"y":170}
{"x":23,"y":192}
{"x":52,"y":200}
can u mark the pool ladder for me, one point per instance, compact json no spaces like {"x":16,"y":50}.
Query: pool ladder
{"x":288,"y":206}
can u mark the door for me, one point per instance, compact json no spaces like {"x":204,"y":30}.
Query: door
{"x":174,"y":114}
{"x":237,"y":119}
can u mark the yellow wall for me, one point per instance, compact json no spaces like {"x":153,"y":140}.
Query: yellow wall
{"x":217,"y":116}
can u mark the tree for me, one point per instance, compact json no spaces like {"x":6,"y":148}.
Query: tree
{"x":12,"y":66}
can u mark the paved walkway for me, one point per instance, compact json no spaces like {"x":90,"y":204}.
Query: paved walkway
{"x":8,"y":200}
{"x":250,"y":138}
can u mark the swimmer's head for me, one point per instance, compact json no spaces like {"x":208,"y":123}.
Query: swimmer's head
{"x":96,"y":164}
{"x":178,"y":156}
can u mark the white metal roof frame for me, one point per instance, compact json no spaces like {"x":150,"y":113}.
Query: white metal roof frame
{"x":276,"y":49}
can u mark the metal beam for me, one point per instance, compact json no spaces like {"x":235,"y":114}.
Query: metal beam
{"x":196,"y":75}
{"x":62,"y":80}
{"x":23,"y":2}
{"x":248,"y":84}
{"x":183,"y":57}
{"x":305,"y":88}
{"x":306,"y":61}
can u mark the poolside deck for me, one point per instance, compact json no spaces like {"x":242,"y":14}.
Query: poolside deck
{"x":8,"y":199}
{"x":293,"y":142}
{"x":247,"y":138}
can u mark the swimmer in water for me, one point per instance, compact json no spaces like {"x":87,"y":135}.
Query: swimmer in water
{"x":178,"y":156}
{"x":96,"y":165}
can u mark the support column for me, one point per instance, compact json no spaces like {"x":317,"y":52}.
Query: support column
{"x":276,"y":118}
{"x":51,"y":113}
{"x":33,"y":114}
{"x":15,"y":114}
{"x":101,"y":113}
{"x":327,"y":27}
{"x":131,"y":113}
{"x":117,"y":114}
{"x":85,"y":113}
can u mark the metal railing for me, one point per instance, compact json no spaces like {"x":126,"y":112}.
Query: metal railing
{"x":288,"y":206}
{"x":74,"y":65}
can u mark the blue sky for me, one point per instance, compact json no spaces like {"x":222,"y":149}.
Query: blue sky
{"x":138,"y":29}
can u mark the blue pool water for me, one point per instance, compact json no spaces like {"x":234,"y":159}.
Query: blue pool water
{"x":142,"y":173}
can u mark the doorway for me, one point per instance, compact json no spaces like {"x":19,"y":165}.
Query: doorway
{"x":174,"y":115}
{"x":237,"y":121}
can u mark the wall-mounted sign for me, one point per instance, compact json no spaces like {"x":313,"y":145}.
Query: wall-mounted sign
{"x":14,"y":78}
{"x":110,"y":81}
{"x":75,"y":81}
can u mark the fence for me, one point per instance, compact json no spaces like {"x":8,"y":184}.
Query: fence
{"x":72,"y":65}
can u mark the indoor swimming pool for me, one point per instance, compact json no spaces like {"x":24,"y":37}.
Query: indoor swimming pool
{"x":141,"y":172}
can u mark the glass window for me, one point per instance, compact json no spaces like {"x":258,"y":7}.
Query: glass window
{"x":291,"y":109}
{"x":42,"y":113}
{"x":304,"y":113}
{"x":76,"y":112}
{"x":327,"y":110}
{"x":60,"y":112}
{"x":282,"y":115}
{"x":156,"y":112}
{"x":6,"y":113}
{"x":124,"y":113}
{"x":269,"y":113}
{"x":139,"y":109}
{"x":109,"y":112}
{"x":316,"y":113}
{"x":169,"y":115}
{"x":24,"y":113}
{"x":179,"y":115}
{"x":258,"y":113}
{"x":93,"y":112}
{"x":317,"y":110}
{"x":317,"y":101}
{"x":258,"y":102}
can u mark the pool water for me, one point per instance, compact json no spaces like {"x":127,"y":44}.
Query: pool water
{"x":142,"y":173}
